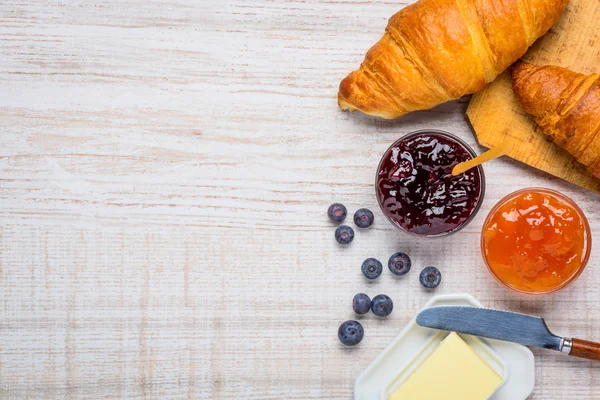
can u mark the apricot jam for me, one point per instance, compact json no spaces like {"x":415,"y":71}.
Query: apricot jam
{"x":536,"y":241}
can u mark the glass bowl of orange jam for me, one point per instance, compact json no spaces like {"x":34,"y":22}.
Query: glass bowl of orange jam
{"x":536,"y":241}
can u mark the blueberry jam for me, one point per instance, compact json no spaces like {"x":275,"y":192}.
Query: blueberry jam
{"x":416,"y":189}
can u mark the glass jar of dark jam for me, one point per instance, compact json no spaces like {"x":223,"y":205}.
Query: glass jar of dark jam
{"x":415,"y":187}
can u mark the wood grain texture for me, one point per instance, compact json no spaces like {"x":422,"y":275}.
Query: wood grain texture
{"x":497,"y":116}
{"x":165,"y":169}
{"x":586,"y":349}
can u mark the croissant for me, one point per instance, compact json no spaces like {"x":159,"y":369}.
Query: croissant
{"x":439,"y":50}
{"x":566,"y":105}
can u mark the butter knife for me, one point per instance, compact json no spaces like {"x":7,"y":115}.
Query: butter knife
{"x":504,"y":325}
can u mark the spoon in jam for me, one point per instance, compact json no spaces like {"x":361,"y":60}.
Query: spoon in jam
{"x":498,"y":151}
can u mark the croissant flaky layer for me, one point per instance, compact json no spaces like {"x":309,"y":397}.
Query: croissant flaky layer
{"x":439,"y":50}
{"x":566,"y":105}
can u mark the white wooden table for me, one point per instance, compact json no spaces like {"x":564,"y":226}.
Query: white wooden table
{"x":165,"y":169}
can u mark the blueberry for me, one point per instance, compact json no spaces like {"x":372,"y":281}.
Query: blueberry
{"x":382,"y":305}
{"x":399,"y":264}
{"x":372,"y":268}
{"x":351,"y":333}
{"x":344,"y":234}
{"x":363,"y":218}
{"x":337,"y":212}
{"x":361,"y":303}
{"x":430,"y":277}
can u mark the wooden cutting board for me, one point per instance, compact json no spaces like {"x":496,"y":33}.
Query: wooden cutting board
{"x":496,"y":115}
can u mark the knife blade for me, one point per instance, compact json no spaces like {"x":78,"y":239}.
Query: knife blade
{"x":494,"y":324}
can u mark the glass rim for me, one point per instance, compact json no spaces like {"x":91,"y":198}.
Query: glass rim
{"x":587,"y":237}
{"x":462,"y":143}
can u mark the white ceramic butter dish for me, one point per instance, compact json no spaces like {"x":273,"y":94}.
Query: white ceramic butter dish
{"x":515,"y":363}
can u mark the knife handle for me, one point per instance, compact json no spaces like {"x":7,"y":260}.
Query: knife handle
{"x":584,"y":349}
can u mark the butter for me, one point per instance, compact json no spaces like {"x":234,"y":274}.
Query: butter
{"x":453,"y":372}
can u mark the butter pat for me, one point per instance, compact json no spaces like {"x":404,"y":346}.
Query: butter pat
{"x":453,"y":372}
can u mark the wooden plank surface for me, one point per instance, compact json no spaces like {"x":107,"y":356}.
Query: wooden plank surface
{"x":497,"y":116}
{"x":165,"y":168}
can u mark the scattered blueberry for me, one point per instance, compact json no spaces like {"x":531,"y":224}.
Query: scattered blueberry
{"x":344,"y":234}
{"x":382,"y":305}
{"x":399,"y":264}
{"x":363,"y":218}
{"x":372,"y":268}
{"x":430,"y":277}
{"x":361,"y":303}
{"x":337,"y":212}
{"x":351,"y":333}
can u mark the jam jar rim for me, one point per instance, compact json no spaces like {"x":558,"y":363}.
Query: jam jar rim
{"x":462,"y":143}
{"x":566,"y":199}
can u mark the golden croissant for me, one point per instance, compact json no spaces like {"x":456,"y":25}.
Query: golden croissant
{"x":439,"y":50}
{"x":566,"y":105}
